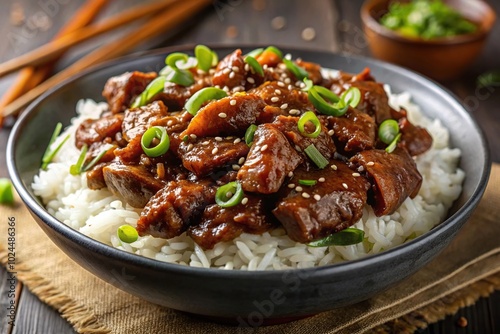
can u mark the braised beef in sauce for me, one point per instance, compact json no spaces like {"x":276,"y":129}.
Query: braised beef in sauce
{"x":177,"y":189}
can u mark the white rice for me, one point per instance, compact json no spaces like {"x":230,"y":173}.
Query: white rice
{"x":98,"y":213}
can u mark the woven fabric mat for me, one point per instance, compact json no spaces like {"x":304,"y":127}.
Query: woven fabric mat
{"x":468,"y":269}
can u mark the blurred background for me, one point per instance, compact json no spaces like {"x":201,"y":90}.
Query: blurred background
{"x":328,"y":25}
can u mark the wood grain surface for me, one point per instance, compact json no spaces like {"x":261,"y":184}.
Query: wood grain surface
{"x":333,"y":25}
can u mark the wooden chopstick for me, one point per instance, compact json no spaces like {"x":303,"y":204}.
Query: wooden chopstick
{"x":165,"y":20}
{"x":29,"y":77}
{"x":56,"y":47}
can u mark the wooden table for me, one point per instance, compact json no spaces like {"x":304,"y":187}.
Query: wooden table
{"x":337,"y":28}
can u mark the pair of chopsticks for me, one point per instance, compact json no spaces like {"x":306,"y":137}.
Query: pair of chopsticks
{"x":36,"y":65}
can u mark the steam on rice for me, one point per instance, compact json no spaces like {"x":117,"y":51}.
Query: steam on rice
{"x":98,"y":213}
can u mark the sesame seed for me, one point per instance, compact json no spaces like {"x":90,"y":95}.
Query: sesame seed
{"x":277,"y":92}
{"x":215,"y":150}
{"x":263,"y":148}
{"x":247,"y":67}
{"x":282,"y":66}
{"x":232,"y":102}
{"x":200,"y":81}
{"x":297,"y":147}
{"x":284,"y":106}
{"x":288,"y":81}
{"x":189,"y":147}
{"x":290,"y":87}
{"x":231,"y":75}
{"x":298,"y":188}
{"x":288,"y":56}
{"x":193,"y":136}
{"x":222,"y":115}
{"x":238,"y":89}
{"x":236,"y":167}
{"x":241,"y":161}
{"x":217,"y":86}
{"x":321,"y":179}
{"x":331,"y":133}
{"x":317,"y":197}
{"x":275,"y":99}
{"x":344,"y":185}
{"x":281,"y":84}
{"x":291,"y":185}
{"x":244,"y":201}
{"x":235,"y":69}
{"x":334,"y":167}
{"x":169,"y":123}
{"x":229,"y":137}
{"x":294,"y":111}
{"x":200,"y":72}
{"x":251,"y":80}
{"x":290,"y":174}
{"x":225,"y":88}
{"x":306,"y":195}
{"x":356,"y":174}
{"x":226,"y":71}
{"x":229,"y":194}
{"x":371,"y":163}
{"x":299,"y":83}
{"x":237,"y":140}
{"x":361,"y":168}
{"x":265,"y":66}
{"x":206,"y":142}
{"x":211,"y":71}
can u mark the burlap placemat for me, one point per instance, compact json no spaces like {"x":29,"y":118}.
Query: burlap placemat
{"x":468,"y":269}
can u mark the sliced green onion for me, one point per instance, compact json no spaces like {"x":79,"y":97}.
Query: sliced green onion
{"x":180,"y":77}
{"x":156,"y":86}
{"x":155,"y":132}
{"x":173,"y":58}
{"x":76,"y":169}
{"x":127,"y":234}
{"x":229,"y":194}
{"x":309,"y":84}
{"x":204,"y":56}
{"x":316,"y":156}
{"x":296,"y":70}
{"x":274,"y":50}
{"x":255,"y":53}
{"x":388,"y":130}
{"x":489,"y":79}
{"x":392,"y":145}
{"x":349,"y":236}
{"x":254,"y":64}
{"x":351,"y":97}
{"x":309,"y":116}
{"x":203,"y":95}
{"x":249,"y":134}
{"x":50,"y":154}
{"x":6,"y":193}
{"x":318,"y":95}
{"x":94,"y":161}
{"x":185,"y":138}
{"x":309,"y":183}
{"x":215,"y":58}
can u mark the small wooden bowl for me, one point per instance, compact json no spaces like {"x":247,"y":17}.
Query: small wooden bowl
{"x":441,"y":58}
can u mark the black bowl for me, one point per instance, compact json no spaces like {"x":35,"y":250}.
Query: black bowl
{"x":248,"y":297}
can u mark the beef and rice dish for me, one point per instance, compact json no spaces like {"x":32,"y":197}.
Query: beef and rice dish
{"x":209,"y":155}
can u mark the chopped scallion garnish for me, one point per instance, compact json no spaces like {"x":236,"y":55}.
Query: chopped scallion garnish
{"x":316,"y":156}
{"x":388,"y":130}
{"x":309,"y":116}
{"x":229,"y":194}
{"x":94,"y":161}
{"x":309,"y":84}
{"x":296,"y":70}
{"x":249,"y":134}
{"x":392,"y":146}
{"x":204,"y":56}
{"x":156,"y":86}
{"x":173,"y":73}
{"x":200,"y":97}
{"x":49,"y":153}
{"x":254,"y":64}
{"x":77,"y":168}
{"x":6,"y":193}
{"x":349,"y":236}
{"x":274,"y":50}
{"x":351,"y":97}
{"x":309,"y":183}
{"x":127,"y":233}
{"x":255,"y":53}
{"x":158,"y":133}
{"x":326,"y":101}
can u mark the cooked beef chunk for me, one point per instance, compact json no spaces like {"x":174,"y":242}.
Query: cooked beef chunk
{"x":174,"y":208}
{"x":226,"y":118}
{"x":132,"y":183}
{"x":120,"y":91}
{"x":313,"y":69}
{"x":137,"y":120}
{"x":98,"y":130}
{"x":323,"y":142}
{"x":415,"y":139}
{"x":175,"y":96}
{"x":353,"y":132}
{"x":206,"y":155}
{"x":315,"y":212}
{"x":394,"y":177}
{"x":220,"y":224}
{"x":269,"y":161}
{"x":278,"y":95}
{"x":223,"y":77}
{"x":174,"y":125}
{"x":374,"y":100}
{"x":95,"y":177}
